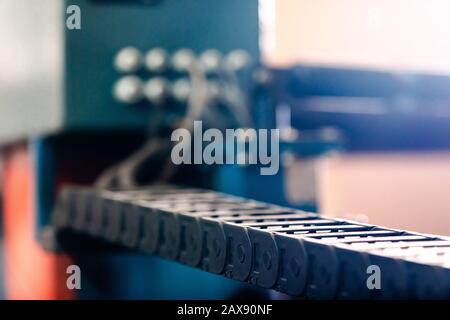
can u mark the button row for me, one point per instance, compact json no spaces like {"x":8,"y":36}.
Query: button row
{"x":158,"y":60}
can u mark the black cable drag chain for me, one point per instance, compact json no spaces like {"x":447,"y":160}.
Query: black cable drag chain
{"x":295,"y":252}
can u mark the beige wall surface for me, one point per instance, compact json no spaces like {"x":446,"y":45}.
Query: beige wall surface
{"x":382,"y":34}
{"x":406,"y":190}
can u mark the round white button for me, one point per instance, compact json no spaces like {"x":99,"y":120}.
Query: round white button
{"x":128,"y":89}
{"x":238,"y":59}
{"x":157,"y":89}
{"x":211,"y":60}
{"x":128,"y":59}
{"x":181,"y":90}
{"x":183,"y":59}
{"x":156,"y":60}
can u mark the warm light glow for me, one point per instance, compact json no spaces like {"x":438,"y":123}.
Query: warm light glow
{"x":382,"y":34}
{"x":268,"y":29}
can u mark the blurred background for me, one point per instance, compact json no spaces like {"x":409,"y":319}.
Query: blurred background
{"x":382,"y":181}
{"x":359,"y":88}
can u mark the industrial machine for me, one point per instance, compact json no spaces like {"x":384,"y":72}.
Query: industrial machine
{"x":91,"y":94}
